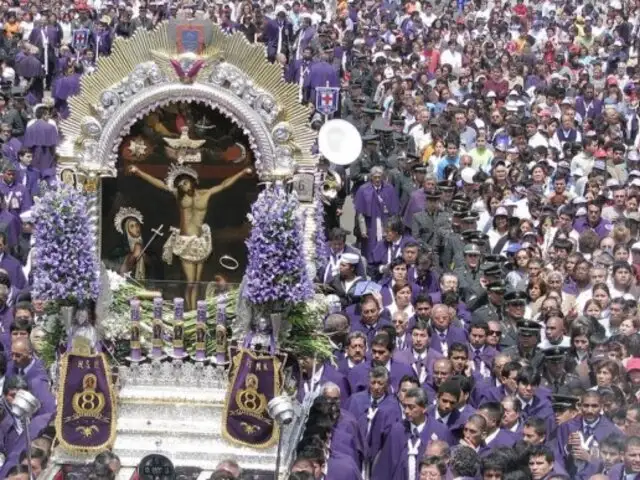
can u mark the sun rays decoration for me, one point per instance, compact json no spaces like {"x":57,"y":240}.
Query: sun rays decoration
{"x":230,"y":74}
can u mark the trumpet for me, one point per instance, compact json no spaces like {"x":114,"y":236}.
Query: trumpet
{"x":330,"y":187}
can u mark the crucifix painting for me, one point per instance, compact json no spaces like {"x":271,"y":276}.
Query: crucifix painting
{"x":189,"y":168}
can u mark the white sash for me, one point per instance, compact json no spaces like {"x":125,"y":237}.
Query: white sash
{"x":413,"y":458}
{"x":279,"y":48}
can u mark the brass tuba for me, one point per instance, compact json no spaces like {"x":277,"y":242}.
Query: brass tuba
{"x":330,"y":186}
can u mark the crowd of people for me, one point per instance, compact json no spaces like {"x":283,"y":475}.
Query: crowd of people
{"x":488,"y":325}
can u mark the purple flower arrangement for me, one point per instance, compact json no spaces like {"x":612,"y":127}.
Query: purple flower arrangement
{"x":66,"y":266}
{"x":276,"y":273}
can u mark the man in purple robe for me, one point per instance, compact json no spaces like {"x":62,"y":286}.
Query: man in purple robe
{"x":24,"y":362}
{"x":480,"y":353}
{"x":381,"y":352}
{"x":101,"y":39}
{"x":370,"y":321}
{"x":10,"y":145}
{"x":321,"y":74}
{"x":495,"y":436}
{"x":630,"y":467}
{"x":11,"y":265}
{"x":26,"y":175}
{"x":390,"y":248}
{"x":278,"y":35}
{"x":420,"y":357}
{"x":366,"y":404}
{"x":64,"y":87}
{"x":444,"y":334}
{"x":299,"y":70}
{"x":47,"y":37}
{"x":10,"y":225}
{"x":16,"y":197}
{"x":408,"y":440}
{"x":42,"y":138}
{"x":305,"y":36}
{"x":355,"y":352}
{"x":315,"y":375}
{"x":593,"y":221}
{"x":375,"y":202}
{"x":589,"y":428}
{"x":417,"y":203}
{"x":30,"y":68}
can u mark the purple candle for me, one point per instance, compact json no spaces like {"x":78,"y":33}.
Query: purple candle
{"x":157,"y":343}
{"x":134,"y":341}
{"x":178,"y":327}
{"x":221,"y":329}
{"x":201,"y":330}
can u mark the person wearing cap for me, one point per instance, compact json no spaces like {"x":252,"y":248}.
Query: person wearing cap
{"x":408,"y":177}
{"x":488,"y":307}
{"x":469,"y":272}
{"x":375,"y":202}
{"x":427,"y":225}
{"x":526,"y":346}
{"x":360,"y":170}
{"x":344,"y":284}
{"x":337,"y":245}
{"x":554,"y":372}
{"x":357,"y":118}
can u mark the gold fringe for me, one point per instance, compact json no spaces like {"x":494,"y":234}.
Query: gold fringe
{"x":64,"y":364}
{"x":277,"y":386}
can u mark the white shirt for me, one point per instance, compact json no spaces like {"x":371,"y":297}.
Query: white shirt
{"x":491,"y":437}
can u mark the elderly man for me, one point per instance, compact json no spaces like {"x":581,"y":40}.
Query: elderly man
{"x":375,"y":202}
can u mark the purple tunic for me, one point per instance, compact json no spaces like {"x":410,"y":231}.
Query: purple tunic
{"x":10,"y":225}
{"x":16,"y":198}
{"x":320,"y":74}
{"x":417,"y":203}
{"x":359,"y":376}
{"x":452,"y":335}
{"x":384,"y":252}
{"x":602,"y":228}
{"x":376,"y":205}
{"x":12,"y":266}
{"x":62,"y":89}
{"x":42,"y":138}
{"x":11,"y":149}
{"x":393,"y":461}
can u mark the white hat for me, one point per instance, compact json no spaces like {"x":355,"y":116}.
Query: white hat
{"x":501,"y":211}
{"x":350,"y":258}
{"x":491,"y":94}
{"x":581,"y":212}
{"x":636,"y":247}
{"x":27,"y":216}
{"x":635,"y":182}
{"x":467,"y":175}
{"x":388,"y":72}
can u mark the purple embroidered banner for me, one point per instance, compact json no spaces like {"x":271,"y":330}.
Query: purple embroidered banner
{"x":86,"y":418}
{"x":255,"y":380}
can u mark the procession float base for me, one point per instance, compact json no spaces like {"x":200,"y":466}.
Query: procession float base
{"x":176,"y":409}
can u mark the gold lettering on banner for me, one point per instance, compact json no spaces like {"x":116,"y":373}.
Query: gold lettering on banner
{"x":88,"y":402}
{"x":250,"y":429}
{"x":249,"y":400}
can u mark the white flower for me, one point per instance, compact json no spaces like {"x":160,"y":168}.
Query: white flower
{"x":116,"y":281}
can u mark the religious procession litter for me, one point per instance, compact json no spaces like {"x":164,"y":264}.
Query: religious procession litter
{"x":426,"y":264}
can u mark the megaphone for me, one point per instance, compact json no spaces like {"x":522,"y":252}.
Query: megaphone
{"x":339,"y":142}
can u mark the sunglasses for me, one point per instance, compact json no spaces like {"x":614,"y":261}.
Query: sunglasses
{"x":497,"y":333}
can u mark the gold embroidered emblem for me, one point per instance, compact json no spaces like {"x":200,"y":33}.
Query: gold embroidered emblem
{"x":87,"y":432}
{"x":249,"y":400}
{"x":249,"y":429}
{"x":88,"y":402}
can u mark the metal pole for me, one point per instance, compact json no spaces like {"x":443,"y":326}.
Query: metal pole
{"x":26,"y":428}
{"x":278,"y":453}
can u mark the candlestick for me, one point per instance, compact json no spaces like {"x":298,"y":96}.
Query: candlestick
{"x":156,"y":341}
{"x":178,"y":327}
{"x":201,"y":331}
{"x":134,"y":342}
{"x":221,"y":330}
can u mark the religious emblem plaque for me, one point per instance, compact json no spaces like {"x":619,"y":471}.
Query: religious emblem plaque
{"x":86,"y":418}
